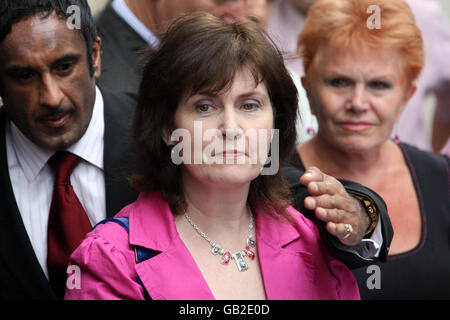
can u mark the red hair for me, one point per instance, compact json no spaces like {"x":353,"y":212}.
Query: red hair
{"x":343,"y":25}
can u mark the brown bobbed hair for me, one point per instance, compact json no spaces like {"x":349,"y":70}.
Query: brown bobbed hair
{"x":201,"y":53}
{"x":343,"y":25}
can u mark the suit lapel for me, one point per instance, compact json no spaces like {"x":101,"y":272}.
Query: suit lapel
{"x":16,"y":252}
{"x":125,"y":39}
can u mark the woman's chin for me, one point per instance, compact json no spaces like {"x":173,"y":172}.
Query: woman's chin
{"x":227,"y":175}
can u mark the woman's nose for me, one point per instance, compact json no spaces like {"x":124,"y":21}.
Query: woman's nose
{"x":358,"y":101}
{"x":230,"y":127}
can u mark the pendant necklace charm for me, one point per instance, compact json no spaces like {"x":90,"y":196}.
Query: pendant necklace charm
{"x":240,"y":262}
{"x":239,"y":256}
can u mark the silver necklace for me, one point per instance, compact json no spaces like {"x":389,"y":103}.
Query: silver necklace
{"x":226,"y":255}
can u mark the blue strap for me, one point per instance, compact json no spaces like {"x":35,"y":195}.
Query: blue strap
{"x":123,"y":221}
{"x":141,"y":253}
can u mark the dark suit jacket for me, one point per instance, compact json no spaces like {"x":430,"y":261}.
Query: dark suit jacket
{"x":122,"y":52}
{"x":21,"y":276}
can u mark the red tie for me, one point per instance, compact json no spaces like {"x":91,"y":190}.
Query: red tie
{"x":68,"y":223}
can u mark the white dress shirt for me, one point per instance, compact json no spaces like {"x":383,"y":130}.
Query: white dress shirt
{"x":128,"y":16}
{"x":32,"y":179}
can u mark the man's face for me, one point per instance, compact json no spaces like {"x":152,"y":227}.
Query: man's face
{"x":259,"y":10}
{"x":229,"y":10}
{"x":48,"y":91}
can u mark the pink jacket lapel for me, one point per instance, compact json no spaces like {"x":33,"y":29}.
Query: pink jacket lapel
{"x":172,"y":274}
{"x":287,"y":267}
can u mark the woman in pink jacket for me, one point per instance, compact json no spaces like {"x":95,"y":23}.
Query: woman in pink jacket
{"x":215,"y":118}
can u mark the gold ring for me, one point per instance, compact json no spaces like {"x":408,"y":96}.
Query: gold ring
{"x":349,"y":229}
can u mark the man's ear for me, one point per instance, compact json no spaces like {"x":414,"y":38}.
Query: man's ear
{"x":96,"y":57}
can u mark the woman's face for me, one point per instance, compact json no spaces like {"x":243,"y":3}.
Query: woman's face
{"x":225,"y":137}
{"x":357,"y":97}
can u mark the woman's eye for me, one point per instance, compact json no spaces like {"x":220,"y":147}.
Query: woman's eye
{"x":338,"y":82}
{"x":250,"y":106}
{"x":203,"y":108}
{"x":380,"y":85}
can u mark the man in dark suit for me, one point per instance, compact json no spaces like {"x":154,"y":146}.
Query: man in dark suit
{"x":48,"y":83}
{"x":128,"y":27}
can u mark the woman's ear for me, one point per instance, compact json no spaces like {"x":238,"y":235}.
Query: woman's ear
{"x":306,"y":86}
{"x":166,"y":134}
{"x":409,"y":92}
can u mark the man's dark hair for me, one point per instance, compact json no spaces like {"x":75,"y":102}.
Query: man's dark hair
{"x":13,"y":11}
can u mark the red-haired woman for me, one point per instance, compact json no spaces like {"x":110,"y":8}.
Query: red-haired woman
{"x":359,"y":76}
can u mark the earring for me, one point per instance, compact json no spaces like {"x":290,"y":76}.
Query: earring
{"x":311,"y":131}
{"x":396,"y":136}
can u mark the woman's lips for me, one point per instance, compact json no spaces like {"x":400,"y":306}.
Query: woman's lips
{"x":356,"y":126}
{"x":232,"y":154}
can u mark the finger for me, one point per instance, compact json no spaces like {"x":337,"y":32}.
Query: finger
{"x":344,"y":231}
{"x":330,"y":215}
{"x":322,"y":214}
{"x":329,"y":185}
{"x":310,"y":203}
{"x":337,"y":201}
{"x":328,"y":202}
{"x":312,"y":174}
{"x":340,"y":231}
{"x":331,"y":228}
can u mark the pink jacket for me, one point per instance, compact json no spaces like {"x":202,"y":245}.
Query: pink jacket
{"x":293,"y":260}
